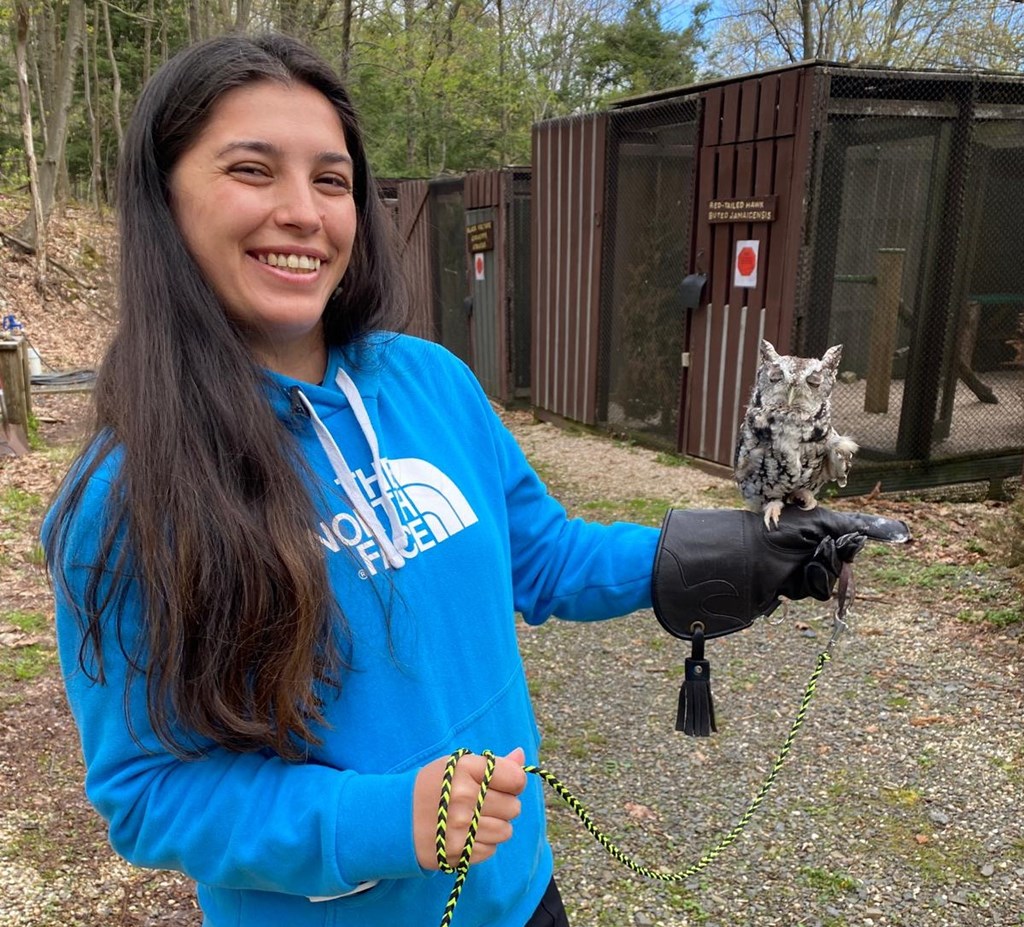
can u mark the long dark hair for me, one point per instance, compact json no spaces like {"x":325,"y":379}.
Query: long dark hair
{"x":208,"y":512}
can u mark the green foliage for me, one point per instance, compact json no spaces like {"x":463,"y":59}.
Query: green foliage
{"x":441,"y":86}
{"x":639,"y":54}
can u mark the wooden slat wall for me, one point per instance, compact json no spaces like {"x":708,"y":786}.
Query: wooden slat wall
{"x":567,"y":208}
{"x":414,"y":242}
{"x":755,"y":141}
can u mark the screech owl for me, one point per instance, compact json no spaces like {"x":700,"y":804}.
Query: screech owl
{"x":787,"y":449}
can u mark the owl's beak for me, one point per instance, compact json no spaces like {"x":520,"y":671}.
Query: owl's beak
{"x":790,"y":395}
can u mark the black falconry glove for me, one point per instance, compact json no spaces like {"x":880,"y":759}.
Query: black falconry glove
{"x":716,"y":570}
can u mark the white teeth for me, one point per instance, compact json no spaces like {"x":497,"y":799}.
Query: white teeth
{"x":291,"y":261}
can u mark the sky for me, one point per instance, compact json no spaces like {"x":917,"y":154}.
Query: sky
{"x":675,"y":14}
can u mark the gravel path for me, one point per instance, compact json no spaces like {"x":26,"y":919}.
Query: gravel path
{"x":899,"y":804}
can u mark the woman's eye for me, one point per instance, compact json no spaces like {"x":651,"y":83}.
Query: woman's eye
{"x":249,"y":170}
{"x":335,"y":182}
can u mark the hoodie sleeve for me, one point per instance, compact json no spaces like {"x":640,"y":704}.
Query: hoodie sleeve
{"x":568,"y":567}
{"x":232,"y":820}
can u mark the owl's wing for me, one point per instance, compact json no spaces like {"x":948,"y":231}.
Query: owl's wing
{"x":838,"y":457}
{"x":747,"y":459}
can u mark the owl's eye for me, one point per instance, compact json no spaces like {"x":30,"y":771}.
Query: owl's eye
{"x":814,"y":379}
{"x":775,"y":373}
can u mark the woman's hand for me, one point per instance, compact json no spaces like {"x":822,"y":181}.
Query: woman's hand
{"x":501,"y":806}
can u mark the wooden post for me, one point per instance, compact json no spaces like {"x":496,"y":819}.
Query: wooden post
{"x":884,"y":320}
{"x":13,"y":375}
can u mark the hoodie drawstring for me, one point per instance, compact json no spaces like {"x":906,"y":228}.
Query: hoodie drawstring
{"x":390,"y":546}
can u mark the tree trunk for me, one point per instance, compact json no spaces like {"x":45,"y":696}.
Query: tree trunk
{"x":195,"y":32}
{"x":42,"y":105}
{"x":411,"y":85}
{"x":118,"y":130}
{"x":21,"y":57}
{"x":147,"y":48}
{"x":96,"y":172}
{"x":346,"y":37}
{"x":56,"y":124}
{"x":243,"y":14}
{"x":502,"y":92}
{"x":808,"y":33}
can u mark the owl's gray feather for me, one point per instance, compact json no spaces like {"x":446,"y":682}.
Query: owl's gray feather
{"x":787,"y":449}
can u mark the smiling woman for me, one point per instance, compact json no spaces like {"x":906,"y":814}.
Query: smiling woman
{"x":263,"y":199}
{"x":288,"y":562}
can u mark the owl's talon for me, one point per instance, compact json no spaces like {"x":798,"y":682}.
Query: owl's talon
{"x":772,"y":511}
{"x":804,"y":498}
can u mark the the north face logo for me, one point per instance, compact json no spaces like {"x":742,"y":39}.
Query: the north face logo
{"x":431,"y":506}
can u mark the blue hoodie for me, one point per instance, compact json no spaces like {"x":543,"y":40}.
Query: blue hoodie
{"x":463,"y":536}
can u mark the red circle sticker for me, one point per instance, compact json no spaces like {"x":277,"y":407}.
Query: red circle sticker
{"x":746,"y":261}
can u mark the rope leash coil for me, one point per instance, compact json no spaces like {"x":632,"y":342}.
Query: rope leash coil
{"x":461,"y":869}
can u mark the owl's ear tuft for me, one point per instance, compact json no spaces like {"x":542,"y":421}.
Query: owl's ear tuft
{"x":768,"y":353}
{"x":832,"y":357}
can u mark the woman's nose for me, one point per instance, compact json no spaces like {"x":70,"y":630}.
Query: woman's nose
{"x":297,"y":207}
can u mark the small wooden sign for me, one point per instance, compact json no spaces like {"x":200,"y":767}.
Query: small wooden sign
{"x":480,"y":237}
{"x":752,"y":209}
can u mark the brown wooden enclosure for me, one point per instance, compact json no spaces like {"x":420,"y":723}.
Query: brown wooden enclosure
{"x":879,"y":209}
{"x":464,"y":242}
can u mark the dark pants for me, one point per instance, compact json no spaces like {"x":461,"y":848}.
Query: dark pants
{"x":550,"y":912}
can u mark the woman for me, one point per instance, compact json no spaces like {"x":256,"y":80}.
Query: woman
{"x":288,"y":561}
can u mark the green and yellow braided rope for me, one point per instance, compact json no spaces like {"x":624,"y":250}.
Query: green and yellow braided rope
{"x":462,"y":867}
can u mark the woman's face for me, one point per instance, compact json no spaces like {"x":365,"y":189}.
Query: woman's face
{"x":263,"y":199}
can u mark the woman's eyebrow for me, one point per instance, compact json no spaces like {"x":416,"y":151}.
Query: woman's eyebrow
{"x":267,"y":148}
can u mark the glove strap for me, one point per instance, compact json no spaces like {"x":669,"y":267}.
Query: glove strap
{"x":696,"y":713}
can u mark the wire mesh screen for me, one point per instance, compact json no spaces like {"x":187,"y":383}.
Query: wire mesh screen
{"x":517,"y":284}
{"x":448,"y":257}
{"x":651,"y":158}
{"x":916,"y":263}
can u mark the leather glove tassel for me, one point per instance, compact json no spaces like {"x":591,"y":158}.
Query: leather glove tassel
{"x":696,"y":713}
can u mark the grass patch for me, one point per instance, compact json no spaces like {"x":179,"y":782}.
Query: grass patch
{"x":29,"y":622}
{"x":993,"y":617}
{"x":893,"y":569}
{"x":826,"y":883}
{"x":684,"y":901}
{"x":23,"y":664}
{"x":903,"y":798}
{"x":722,"y":497}
{"x":642,"y":511}
{"x":580,"y":746}
{"x":671,"y":460}
{"x":19,"y":508}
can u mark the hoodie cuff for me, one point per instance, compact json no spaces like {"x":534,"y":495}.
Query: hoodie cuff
{"x":375,"y":839}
